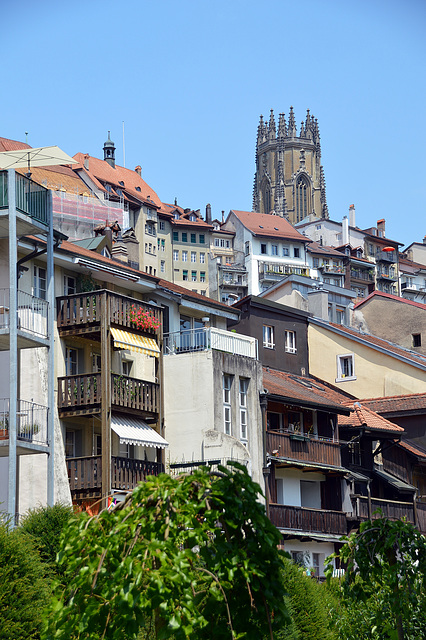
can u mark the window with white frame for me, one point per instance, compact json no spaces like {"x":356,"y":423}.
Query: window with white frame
{"x":247,"y":248}
{"x":71,"y":361}
{"x":193,"y":256}
{"x":202,"y":276}
{"x":290,"y":341}
{"x":227,"y":411}
{"x":243,"y":408}
{"x":274,"y":249}
{"x":345,"y":367}
{"x":39,"y":282}
{"x":184,"y":256}
{"x":268,"y":336}
{"x":286,"y":251}
{"x":202,"y":258}
{"x":70,"y":285}
{"x":175,"y":254}
{"x":96,"y":363}
{"x":263,"y":248}
{"x":163,"y":266}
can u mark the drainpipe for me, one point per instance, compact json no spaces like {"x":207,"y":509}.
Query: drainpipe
{"x":369,"y":499}
{"x":266,"y":470}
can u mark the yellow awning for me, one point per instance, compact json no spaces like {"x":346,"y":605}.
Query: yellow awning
{"x":139,"y":344}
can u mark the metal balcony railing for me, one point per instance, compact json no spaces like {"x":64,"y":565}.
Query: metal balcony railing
{"x":31,"y":198}
{"x":32,"y":312}
{"x":31,"y":421}
{"x":205,"y":338}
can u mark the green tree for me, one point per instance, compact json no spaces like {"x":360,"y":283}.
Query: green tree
{"x":197,"y":551}
{"x":384,"y":581}
{"x":24,"y":591}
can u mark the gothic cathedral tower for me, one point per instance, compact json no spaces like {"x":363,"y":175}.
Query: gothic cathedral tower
{"x":289,"y":179}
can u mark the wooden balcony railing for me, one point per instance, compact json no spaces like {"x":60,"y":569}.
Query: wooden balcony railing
{"x":131,"y":393}
{"x":421,"y":516}
{"x":309,"y":449}
{"x":85,"y":474}
{"x":84,"y":309}
{"x":390,"y":508}
{"x":84,"y":391}
{"x":304,"y":519}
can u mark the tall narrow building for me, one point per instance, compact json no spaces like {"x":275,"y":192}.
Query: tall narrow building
{"x":289,"y":179}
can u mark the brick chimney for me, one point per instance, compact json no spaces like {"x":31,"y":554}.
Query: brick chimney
{"x":86,"y":161}
{"x":138,"y":170}
{"x":381,"y":228}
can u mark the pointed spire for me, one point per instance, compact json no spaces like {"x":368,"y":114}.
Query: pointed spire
{"x":309,"y":125}
{"x":261,"y":131}
{"x":323,"y":199}
{"x":282,"y":126}
{"x":271,"y":126}
{"x":302,"y":130}
{"x":292,"y":131}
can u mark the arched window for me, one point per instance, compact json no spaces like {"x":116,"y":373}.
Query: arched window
{"x":266,"y":197}
{"x":302,"y":198}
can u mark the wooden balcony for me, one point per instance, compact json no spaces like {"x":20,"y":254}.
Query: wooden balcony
{"x":305,"y":448}
{"x":390,"y":508}
{"x":308,"y":520}
{"x":81,"y":394}
{"x":85,"y":474}
{"x":81,"y":312}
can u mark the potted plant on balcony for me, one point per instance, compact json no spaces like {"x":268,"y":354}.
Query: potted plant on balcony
{"x":28,"y":431}
{"x":4,"y":429}
{"x":143,"y":319}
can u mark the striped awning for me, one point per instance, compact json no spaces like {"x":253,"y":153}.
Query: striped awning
{"x":133,"y":342}
{"x":136,"y":432}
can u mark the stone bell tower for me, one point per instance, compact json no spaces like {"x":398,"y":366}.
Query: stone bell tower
{"x":289,"y":179}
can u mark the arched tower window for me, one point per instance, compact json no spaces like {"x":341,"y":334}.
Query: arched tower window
{"x":302,"y":198}
{"x":266,"y":197}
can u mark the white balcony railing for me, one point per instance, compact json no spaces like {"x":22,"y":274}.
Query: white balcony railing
{"x":32,"y":312}
{"x":205,"y":338}
{"x":31,"y":421}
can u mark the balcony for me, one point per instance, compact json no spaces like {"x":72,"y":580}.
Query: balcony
{"x":362,"y":276}
{"x":308,"y":520}
{"x":32,"y":314}
{"x":332,"y":269}
{"x":386,"y":256}
{"x":305,"y":448}
{"x":81,"y":394}
{"x":31,"y":198}
{"x":85,"y":474}
{"x":31,"y":426}
{"x":81,"y":312}
{"x":390,"y":508}
{"x":207,"y":338}
{"x":389,"y":276}
{"x":273,"y":271}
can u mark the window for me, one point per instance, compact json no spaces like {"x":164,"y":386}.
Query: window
{"x":162,"y":225}
{"x":227,"y":385}
{"x":96,"y":363}
{"x":163,"y":266}
{"x":203,"y":292}
{"x":150,"y":228}
{"x":184,"y":274}
{"x":290,"y":341}
{"x":163,"y":245}
{"x":126,"y":367}
{"x":184,"y":236}
{"x":247,"y":248}
{"x":71,"y":361}
{"x":340,"y":315}
{"x":184,"y":256}
{"x":268,"y":337}
{"x":202,"y":239}
{"x":274,"y":249}
{"x":175,"y":236}
{"x":70,"y":285}
{"x":243,"y":408}
{"x":417,"y":339}
{"x":302,"y":198}
{"x":286,"y":251}
{"x":70,"y":444}
{"x":193,"y":256}
{"x":176,"y":216}
{"x":263,"y":248}
{"x":193,"y":238}
{"x":192,"y":218}
{"x":194,"y":276}
{"x":216,"y":242}
{"x":175,"y":254}
{"x":39,"y":282}
{"x":345,"y":367}
{"x":296,"y":252}
{"x":202,"y":276}
{"x":202,"y":258}
{"x":316,"y":263}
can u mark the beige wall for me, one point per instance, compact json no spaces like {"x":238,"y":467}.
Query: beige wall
{"x":377,"y":374}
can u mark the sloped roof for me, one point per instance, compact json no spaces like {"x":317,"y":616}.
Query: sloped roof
{"x":414,"y":449}
{"x":396,"y":404}
{"x":362,"y":416}
{"x":102,"y":171}
{"x":304,"y":390}
{"x":266,"y":225}
{"x":56,"y":178}
{"x":12,"y":145}
{"x":389,"y":296}
{"x":315,"y":247}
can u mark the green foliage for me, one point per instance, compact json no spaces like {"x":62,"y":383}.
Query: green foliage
{"x":197,"y":550}
{"x":45,"y":525}
{"x":383,"y":588}
{"x":23,"y":589}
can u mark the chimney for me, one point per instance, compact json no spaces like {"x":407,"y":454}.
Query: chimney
{"x":345,"y":230}
{"x":424,"y":240}
{"x":175,"y":202}
{"x":381,"y":228}
{"x":138,"y":170}
{"x":108,"y":234}
{"x":208,"y":213}
{"x":86,"y":161}
{"x":351,"y":215}
{"x":223,"y":217}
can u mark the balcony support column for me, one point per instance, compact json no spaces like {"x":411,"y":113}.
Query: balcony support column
{"x":13,"y":498}
{"x":51,"y":358}
{"x":105,"y":399}
{"x":266,"y":469}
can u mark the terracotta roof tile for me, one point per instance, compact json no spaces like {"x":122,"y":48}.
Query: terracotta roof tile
{"x":415,"y":449}
{"x":389,"y":296}
{"x":57,"y":178}
{"x":315,"y":247}
{"x":265,"y":225}
{"x":304,"y":389}
{"x":362,"y":416}
{"x":395,"y":404}
{"x":12,"y":145}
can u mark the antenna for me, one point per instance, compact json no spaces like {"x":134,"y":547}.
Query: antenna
{"x":124,"y":150}
{"x":26,"y":137}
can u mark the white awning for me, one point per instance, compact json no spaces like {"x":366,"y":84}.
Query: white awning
{"x":137,"y":432}
{"x":34,"y":157}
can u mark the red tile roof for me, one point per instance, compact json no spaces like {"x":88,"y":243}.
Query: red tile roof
{"x":12,"y":145}
{"x":396,"y":404}
{"x":389,"y":296}
{"x":412,"y":448}
{"x":266,"y":225}
{"x":362,"y":416}
{"x":304,"y":389}
{"x":104,"y":173}
{"x":315,"y":247}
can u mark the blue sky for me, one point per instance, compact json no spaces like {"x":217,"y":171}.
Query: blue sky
{"x":190,"y":80}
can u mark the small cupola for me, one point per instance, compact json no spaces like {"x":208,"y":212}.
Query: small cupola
{"x":109,"y":151}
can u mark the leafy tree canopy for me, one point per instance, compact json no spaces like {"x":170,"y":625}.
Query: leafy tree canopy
{"x":198,"y":550}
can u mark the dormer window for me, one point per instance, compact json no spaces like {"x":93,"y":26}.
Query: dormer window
{"x":108,"y":188}
{"x":138,"y":188}
{"x":121,"y":183}
{"x":119,"y":192}
{"x":176,"y":216}
{"x":192,"y":217}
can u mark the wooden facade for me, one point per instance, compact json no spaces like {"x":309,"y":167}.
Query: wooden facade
{"x":308,"y":520}
{"x":305,"y":448}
